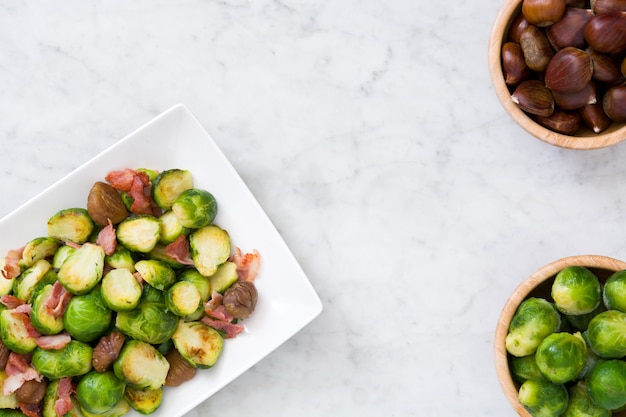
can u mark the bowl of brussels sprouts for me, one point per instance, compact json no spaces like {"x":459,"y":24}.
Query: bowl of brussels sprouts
{"x":560,"y":342}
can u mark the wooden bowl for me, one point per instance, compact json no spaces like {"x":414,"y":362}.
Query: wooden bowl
{"x":584,"y":139}
{"x":539,"y":284}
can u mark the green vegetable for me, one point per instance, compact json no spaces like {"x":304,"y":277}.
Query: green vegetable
{"x":99,"y":392}
{"x":581,"y":404}
{"x":121,"y":258}
{"x":39,"y":248}
{"x":210,"y":247}
{"x":198,"y":343}
{"x":50,"y":399}
{"x":61,"y":255}
{"x":201,"y":282}
{"x":561,"y":357}
{"x":71,"y":360}
{"x":25,"y":283}
{"x":120,"y":290}
{"x":607,"y":334}
{"x":159,"y":254}
{"x":607,"y":384}
{"x":225,"y":276}
{"x":576,"y":290}
{"x":9,"y":400}
{"x":72,"y":224}
{"x":614,"y":292}
{"x":42,"y":319}
{"x":6,"y":285}
{"x":140,"y":365}
{"x":120,"y":409}
{"x":14,"y":333}
{"x":182,"y":298}
{"x":139,"y":233}
{"x":82,"y":270}
{"x":168,"y":185}
{"x":543,"y":398}
{"x":145,"y":401}
{"x":149,"y":322}
{"x":156,"y":273}
{"x":195,"y":208}
{"x":534,"y":319}
{"x":87,"y":317}
{"x":171,"y":228}
{"x":524,"y":368}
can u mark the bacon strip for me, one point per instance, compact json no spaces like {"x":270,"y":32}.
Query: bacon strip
{"x":25,"y":318}
{"x":12,"y":263}
{"x":179,"y":250}
{"x":230,"y":330}
{"x":18,"y":371}
{"x":248,"y":264}
{"x":57,"y":341}
{"x":57,"y":302}
{"x":11,"y":301}
{"x":63,"y":404}
{"x":121,"y":180}
{"x":214,"y":302}
{"x":107,"y":239}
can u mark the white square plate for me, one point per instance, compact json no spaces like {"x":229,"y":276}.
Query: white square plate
{"x":175,"y":139}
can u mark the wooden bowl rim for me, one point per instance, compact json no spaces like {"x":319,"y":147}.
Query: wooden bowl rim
{"x":613,"y":135}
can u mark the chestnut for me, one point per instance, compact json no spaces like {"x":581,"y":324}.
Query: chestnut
{"x":569,"y":71}
{"x":543,"y":13}
{"x":561,"y":121}
{"x":513,"y":64}
{"x":594,"y":118}
{"x":536,"y":48}
{"x":614,"y":103}
{"x":607,"y":6}
{"x":570,"y":30}
{"x":533,"y":97}
{"x":606,"y":33}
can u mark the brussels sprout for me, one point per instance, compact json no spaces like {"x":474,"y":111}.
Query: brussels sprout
{"x":6,"y":400}
{"x":139,"y":233}
{"x":99,"y":392}
{"x":201,"y":282}
{"x":195,"y":208}
{"x":168,"y":185}
{"x":156,"y":273}
{"x":145,"y":401}
{"x":121,"y":258}
{"x":151,"y":294}
{"x":159,"y":254}
{"x":524,"y":368}
{"x":140,"y":365}
{"x":576,"y":290}
{"x":6,"y":285}
{"x":607,"y":384}
{"x":41,"y":317}
{"x":607,"y":334}
{"x":543,"y":398}
{"x":151,"y":173}
{"x":198,"y":343}
{"x":25,"y":283}
{"x":61,"y":255}
{"x":171,"y":228}
{"x":50,"y":399}
{"x":182,"y":298}
{"x":150,"y":322}
{"x":581,"y":404}
{"x":614,"y":292}
{"x":74,"y":359}
{"x":14,"y":332}
{"x":561,"y":357}
{"x":12,"y":413}
{"x":39,"y":248}
{"x":534,"y":319}
{"x":82,"y":270}
{"x":120,"y":290}
{"x":87,"y":317}
{"x":120,"y":409}
{"x":581,"y":321}
{"x":73,"y":224}
{"x":210,"y":247}
{"x":225,"y":276}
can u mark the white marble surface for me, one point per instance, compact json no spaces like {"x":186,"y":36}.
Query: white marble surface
{"x":369,"y":132}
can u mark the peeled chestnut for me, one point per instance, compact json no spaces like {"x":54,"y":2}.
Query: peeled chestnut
{"x":614,"y":103}
{"x":513,"y":64}
{"x":536,"y":48}
{"x":560,"y":121}
{"x":180,"y":370}
{"x":32,"y":391}
{"x":240,"y":299}
{"x":533,"y":97}
{"x":569,"y":71}
{"x":607,"y":6}
{"x":104,"y":202}
{"x":606,"y":32}
{"x":543,"y":13}
{"x":570,"y":30}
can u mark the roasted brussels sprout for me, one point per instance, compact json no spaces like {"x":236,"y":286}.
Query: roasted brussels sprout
{"x":74,"y":359}
{"x":73,"y":224}
{"x":120,"y":290}
{"x":6,"y":285}
{"x":543,"y":398}
{"x":607,"y":334}
{"x":99,"y":392}
{"x":144,"y":400}
{"x":607,"y":384}
{"x":614,"y":292}
{"x":87,"y":317}
{"x":61,"y":255}
{"x":150,"y":322}
{"x":121,"y":258}
{"x":576,"y":290}
{"x":210,"y":247}
{"x":120,"y":409}
{"x":225,"y":276}
{"x":82,"y":270}
{"x":198,"y":343}
{"x":152,"y":295}
{"x":524,"y":368}
{"x":182,"y":298}
{"x":534,"y":319}
{"x":6,"y":400}
{"x":201,"y":282}
{"x":561,"y":357}
{"x":140,"y":365}
{"x":39,"y":248}
{"x":51,"y":397}
{"x":581,"y":404}
{"x":159,"y":253}
{"x":171,"y":228}
{"x":168,"y":185}
{"x":44,"y":321}
{"x":156,"y":273}
{"x":195,"y":208}
{"x":139,"y":233}
{"x":14,"y":332}
{"x":26,"y":282}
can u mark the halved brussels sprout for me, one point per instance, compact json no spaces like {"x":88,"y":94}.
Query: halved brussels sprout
{"x":150,"y":322}
{"x":61,"y":255}
{"x":120,"y":290}
{"x":42,"y":318}
{"x":159,"y":254}
{"x":168,"y":185}
{"x":534,"y":319}
{"x":561,"y":357}
{"x":156,"y":273}
{"x":50,"y":399}
{"x":6,"y":400}
{"x":201,"y":282}
{"x":99,"y":392}
{"x":145,"y":401}
{"x":139,"y":233}
{"x":607,"y":384}
{"x":210,"y":247}
{"x":607,"y":334}
{"x":14,"y":332}
{"x":140,"y":365}
{"x":39,"y":248}
{"x":614,"y":292}
{"x":581,"y":404}
{"x":171,"y":228}
{"x":120,"y":409}
{"x":82,"y":270}
{"x":73,"y":224}
{"x":195,"y":208}
{"x":576,"y":290}
{"x":87,"y":316}
{"x":151,"y":173}
{"x":524,"y":368}
{"x":225,"y":276}
{"x":74,"y":359}
{"x":182,"y":298}
{"x":198,"y":343}
{"x":121,"y":258}
{"x":25,"y":283}
{"x":6,"y":285}
{"x":543,"y":398}
{"x":152,"y":295}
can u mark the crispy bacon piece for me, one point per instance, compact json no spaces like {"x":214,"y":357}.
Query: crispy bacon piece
{"x":11,"y":301}
{"x":121,"y":180}
{"x":248,"y":264}
{"x":72,"y":244}
{"x":23,"y":315}
{"x":220,"y":313}
{"x":179,"y":250}
{"x":214,"y":302}
{"x":229,"y":330}
{"x":107,"y":239}
{"x":12,"y":263}
{"x":18,"y":371}
{"x":63,"y":404}
{"x":30,"y":410}
{"x":57,"y":341}
{"x":58,"y":300}
{"x":136,"y":184}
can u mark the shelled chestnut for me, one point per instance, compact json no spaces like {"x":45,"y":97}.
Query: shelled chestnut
{"x":564,"y":62}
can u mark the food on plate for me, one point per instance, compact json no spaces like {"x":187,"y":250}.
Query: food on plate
{"x":134,"y":293}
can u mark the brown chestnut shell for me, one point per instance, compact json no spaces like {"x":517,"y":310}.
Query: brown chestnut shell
{"x":614,"y":103}
{"x":570,"y":30}
{"x":543,"y":13}
{"x":533,"y":97}
{"x":513,"y":64}
{"x":606,"y":33}
{"x":561,"y":121}
{"x":569,"y":71}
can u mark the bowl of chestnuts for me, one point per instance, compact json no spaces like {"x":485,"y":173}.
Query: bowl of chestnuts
{"x":559,"y":69}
